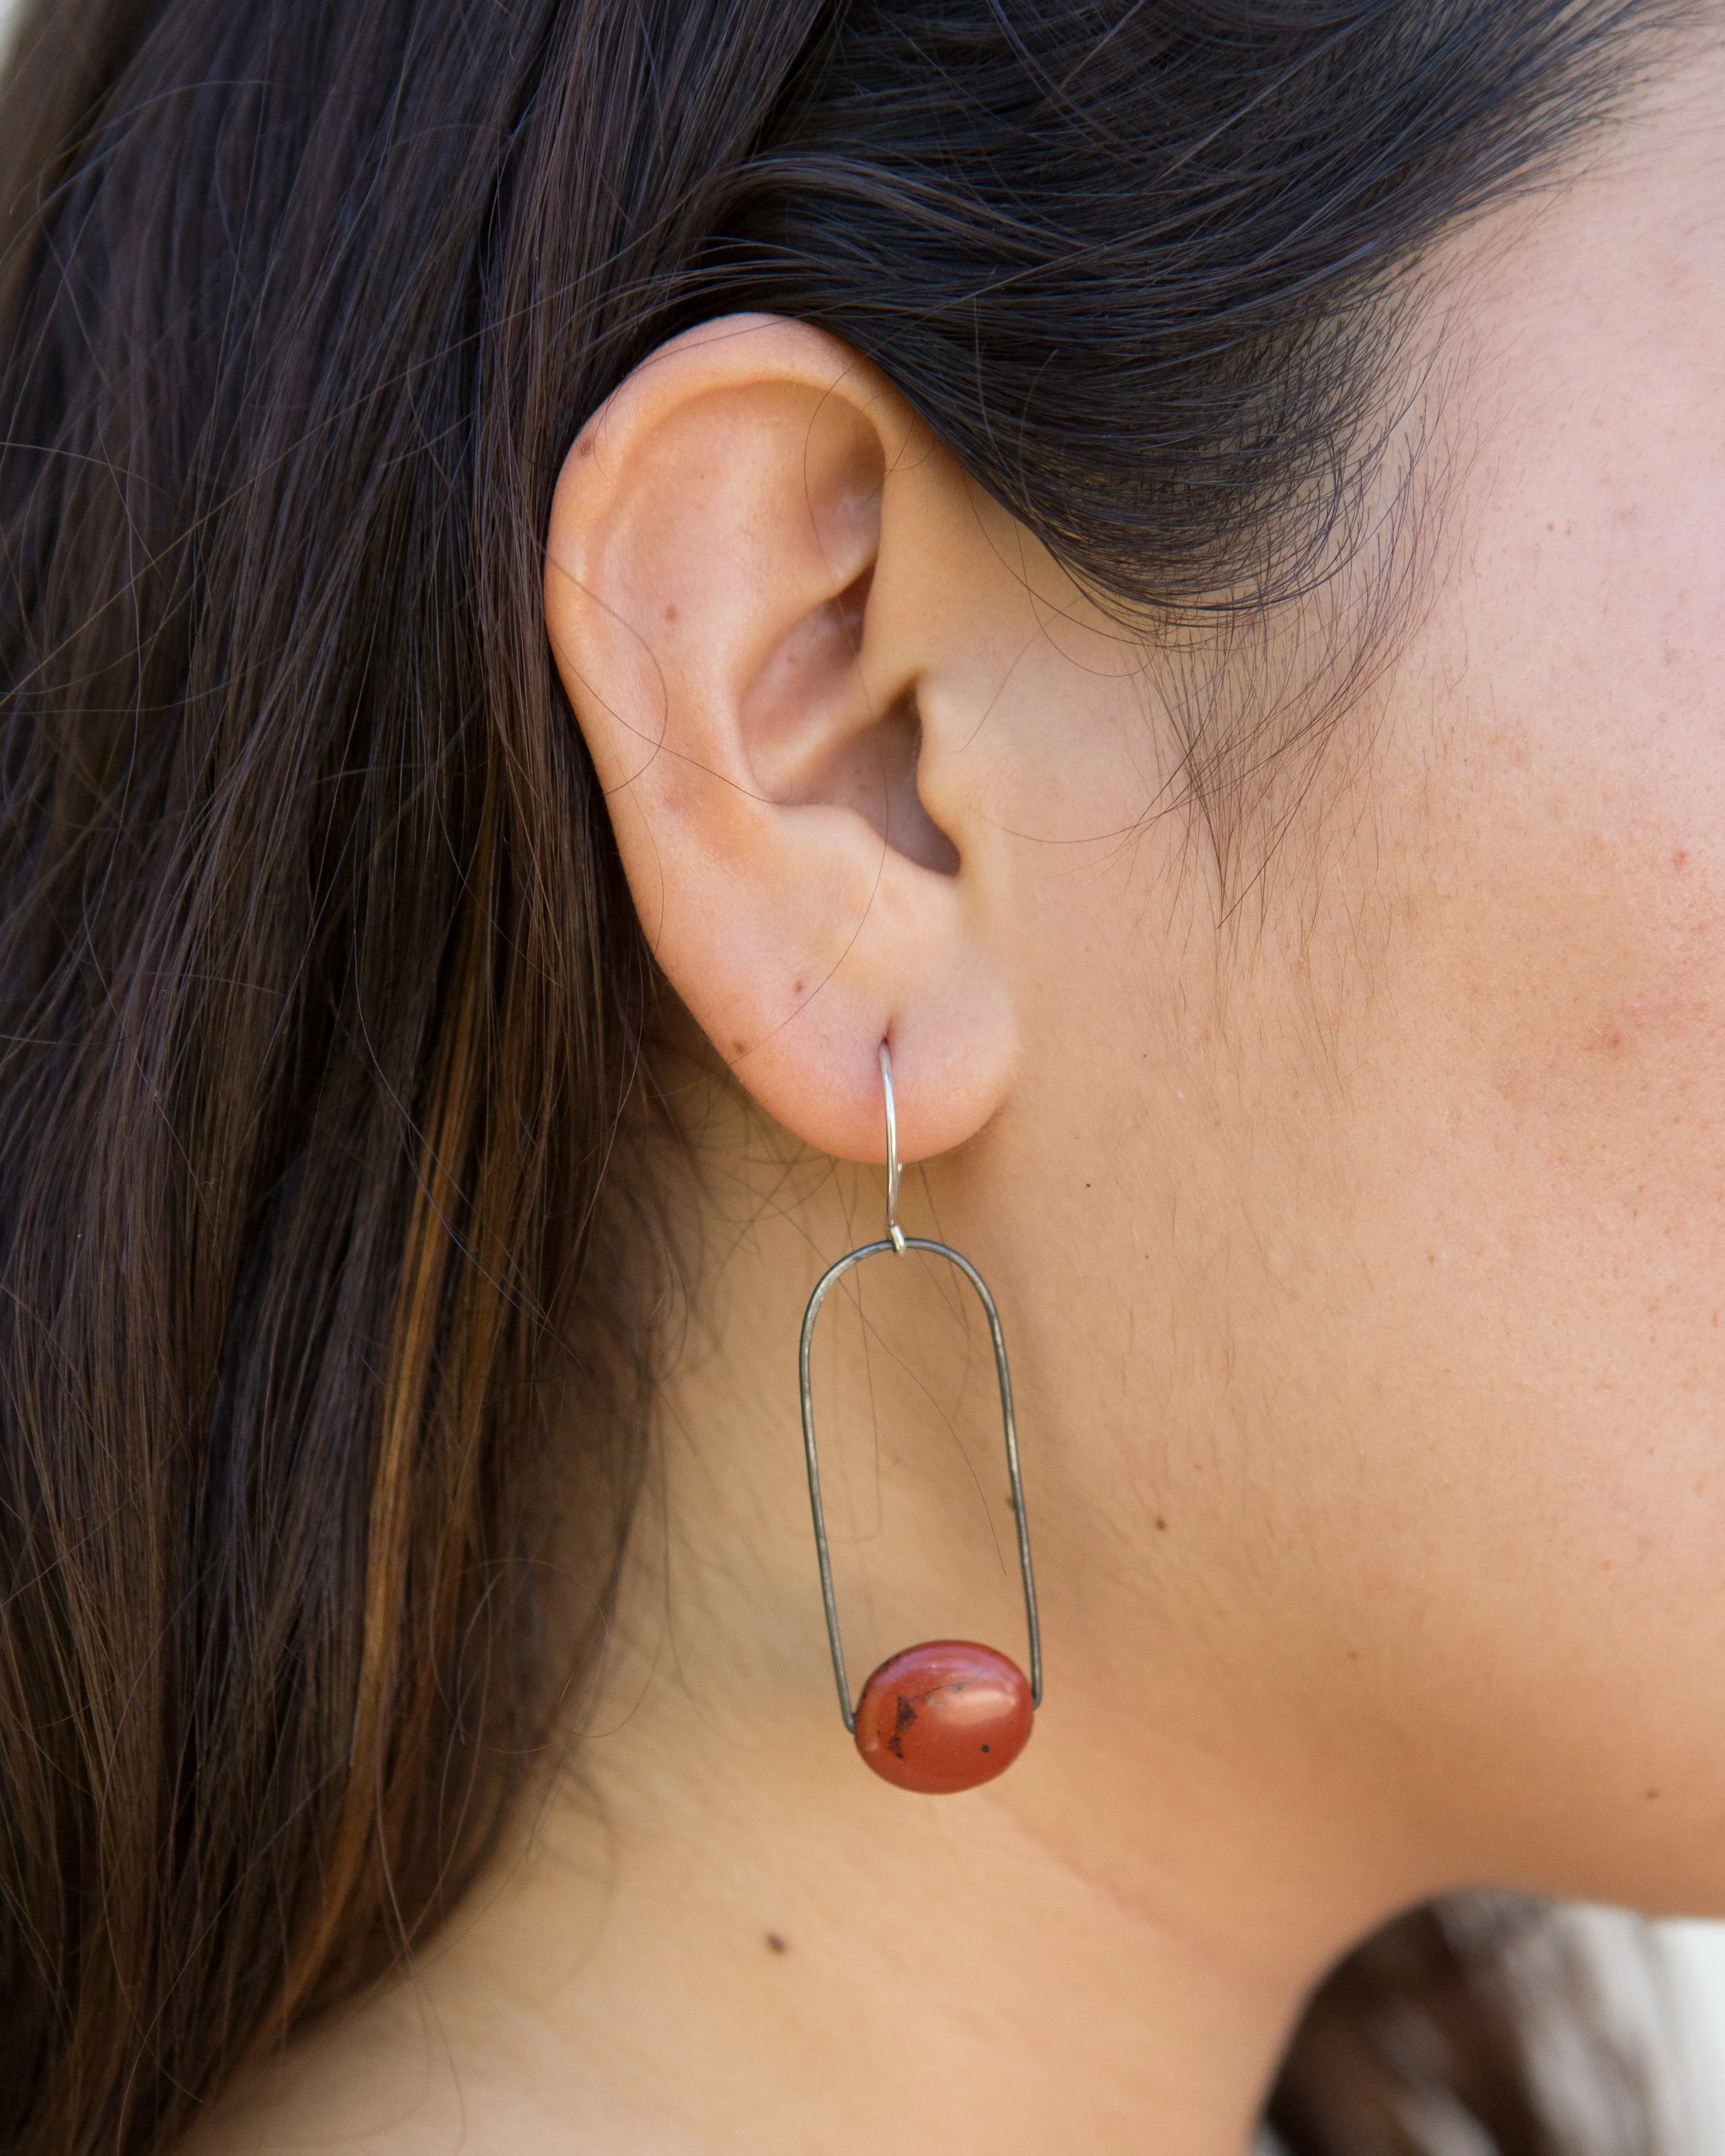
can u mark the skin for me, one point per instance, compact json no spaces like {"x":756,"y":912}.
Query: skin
{"x":1357,"y":1215}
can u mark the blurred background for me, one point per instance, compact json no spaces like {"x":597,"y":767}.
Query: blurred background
{"x":1686,"y":1992}
{"x":1696,"y":1956}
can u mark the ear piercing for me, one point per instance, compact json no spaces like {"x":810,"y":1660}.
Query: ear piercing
{"x":949,"y":1714}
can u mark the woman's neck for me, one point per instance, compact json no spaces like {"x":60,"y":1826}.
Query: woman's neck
{"x":719,"y":1930}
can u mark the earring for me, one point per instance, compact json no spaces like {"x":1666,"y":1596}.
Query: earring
{"x":948,"y":1715}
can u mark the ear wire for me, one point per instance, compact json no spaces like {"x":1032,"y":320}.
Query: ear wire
{"x":895,"y":1234}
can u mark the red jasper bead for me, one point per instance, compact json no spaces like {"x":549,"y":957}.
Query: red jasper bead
{"x":948,"y":1715}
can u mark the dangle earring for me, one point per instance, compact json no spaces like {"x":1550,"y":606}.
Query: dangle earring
{"x":948,"y":1715}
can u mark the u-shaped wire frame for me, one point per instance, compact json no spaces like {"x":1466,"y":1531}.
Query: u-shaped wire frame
{"x":897,"y":1243}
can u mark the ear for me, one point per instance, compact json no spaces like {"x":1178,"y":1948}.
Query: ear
{"x":756,"y":598}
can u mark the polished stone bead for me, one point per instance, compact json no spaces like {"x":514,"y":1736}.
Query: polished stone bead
{"x":945,"y":1716}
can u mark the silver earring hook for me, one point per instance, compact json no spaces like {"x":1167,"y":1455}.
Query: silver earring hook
{"x":896,"y":1234}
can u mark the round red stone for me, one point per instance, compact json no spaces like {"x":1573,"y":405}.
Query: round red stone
{"x":945,"y":1716}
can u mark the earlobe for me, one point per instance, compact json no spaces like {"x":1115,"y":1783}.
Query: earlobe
{"x":736,"y":594}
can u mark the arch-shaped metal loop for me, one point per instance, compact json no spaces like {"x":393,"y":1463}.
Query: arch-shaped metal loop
{"x":828,"y":1281}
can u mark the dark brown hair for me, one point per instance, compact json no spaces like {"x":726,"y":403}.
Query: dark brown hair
{"x":324,"y":1006}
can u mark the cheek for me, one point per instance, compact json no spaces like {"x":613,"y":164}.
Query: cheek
{"x":1559,"y":1020}
{"x":1582,"y":989}
{"x":1508,"y":1429}
{"x":1550,"y":1243}
{"x":1571,"y":941}
{"x":1532,"y":1335}
{"x":1583,"y":958}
